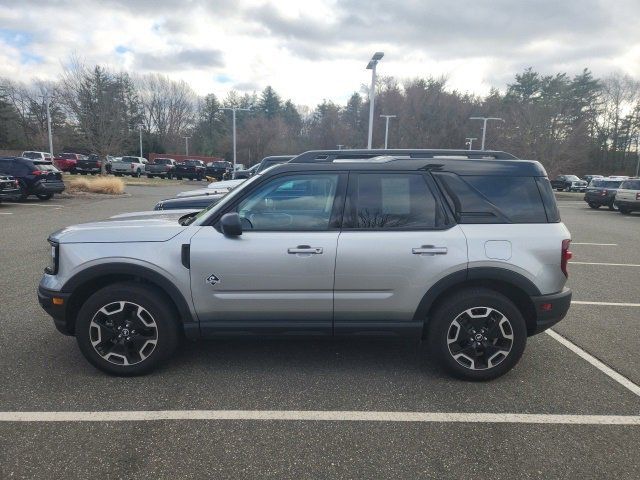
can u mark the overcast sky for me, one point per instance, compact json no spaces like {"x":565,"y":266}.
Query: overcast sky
{"x":310,"y":50}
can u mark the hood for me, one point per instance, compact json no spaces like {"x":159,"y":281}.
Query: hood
{"x":146,"y":227}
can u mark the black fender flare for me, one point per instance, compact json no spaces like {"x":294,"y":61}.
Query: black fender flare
{"x":138,"y":271}
{"x":473,"y":274}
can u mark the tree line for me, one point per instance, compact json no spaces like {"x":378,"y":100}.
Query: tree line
{"x":578,"y":124}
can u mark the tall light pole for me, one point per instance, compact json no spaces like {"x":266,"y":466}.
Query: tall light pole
{"x":234,"y":110}
{"x":49,"y":126}
{"x":386,"y":128}
{"x":372,"y":93}
{"x":484,"y":126}
{"x":140,"y":130}
{"x":186,"y":146}
{"x":638,"y":155}
{"x":469,"y":141}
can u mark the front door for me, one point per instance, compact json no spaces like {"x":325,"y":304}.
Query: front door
{"x":278,"y":275}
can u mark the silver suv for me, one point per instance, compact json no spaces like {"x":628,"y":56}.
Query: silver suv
{"x":463,"y":249}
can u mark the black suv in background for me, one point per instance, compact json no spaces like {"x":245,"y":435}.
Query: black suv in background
{"x":35,"y":177}
{"x":602,"y":192}
{"x":191,"y":168}
{"x":218,"y":169}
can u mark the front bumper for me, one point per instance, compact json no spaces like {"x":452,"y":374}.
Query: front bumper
{"x":9,"y":193}
{"x":57,"y":312}
{"x":550,"y":309}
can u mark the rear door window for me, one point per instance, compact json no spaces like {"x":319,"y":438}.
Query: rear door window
{"x":392,"y":201}
{"x":631,"y":185}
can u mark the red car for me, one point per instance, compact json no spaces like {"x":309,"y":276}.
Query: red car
{"x":67,"y":162}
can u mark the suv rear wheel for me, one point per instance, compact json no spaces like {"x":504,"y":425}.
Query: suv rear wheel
{"x":126,"y":329}
{"x":477,"y":334}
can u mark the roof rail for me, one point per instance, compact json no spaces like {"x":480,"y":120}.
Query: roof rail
{"x":328,"y":156}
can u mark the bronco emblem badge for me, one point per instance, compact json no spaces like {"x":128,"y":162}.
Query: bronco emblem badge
{"x":212,"y":279}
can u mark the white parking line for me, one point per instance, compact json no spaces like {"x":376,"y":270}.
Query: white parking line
{"x":611,"y":373}
{"x":607,"y":304}
{"x":38,"y":205}
{"x":6,"y":213}
{"x":317,"y":416}
{"x":599,"y":244}
{"x":606,"y":264}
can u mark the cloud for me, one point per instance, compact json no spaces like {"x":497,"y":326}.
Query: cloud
{"x":186,"y":59}
{"x":246,"y":86}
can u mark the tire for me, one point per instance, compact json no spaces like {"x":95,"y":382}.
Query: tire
{"x":624,"y":211}
{"x":612,"y":207}
{"x":179,"y":177}
{"x":162,"y":177}
{"x":44,"y":196}
{"x":157,"y":320}
{"x":24,"y":191}
{"x":483,"y":312}
{"x":118,"y":174}
{"x":169,"y":176}
{"x":149,"y":176}
{"x":73,"y":172}
{"x":137,"y":174}
{"x":594,"y":205}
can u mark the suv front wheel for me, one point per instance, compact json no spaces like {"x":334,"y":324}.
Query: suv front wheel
{"x":126,"y":329}
{"x":477,"y":334}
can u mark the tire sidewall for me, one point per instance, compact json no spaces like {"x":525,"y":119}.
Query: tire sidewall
{"x":443,"y":316}
{"x":143,"y":296}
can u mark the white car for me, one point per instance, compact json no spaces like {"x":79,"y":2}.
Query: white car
{"x":213,"y":188}
{"x":33,"y":155}
{"x":628,"y":196}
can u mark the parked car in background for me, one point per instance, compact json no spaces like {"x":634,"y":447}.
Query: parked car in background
{"x":89,"y":164}
{"x":161,"y":167}
{"x":108,"y":161}
{"x":628,"y":196}
{"x":218,"y":169}
{"x":128,"y":165}
{"x":191,"y":168}
{"x":588,"y":178}
{"x":601,"y":192}
{"x":35,"y":177}
{"x":196,"y":203}
{"x":33,"y":155}
{"x":9,"y":187}
{"x":569,"y":183}
{"x":265,"y":163}
{"x":67,"y":162}
{"x":243,"y":173}
{"x":213,"y":188}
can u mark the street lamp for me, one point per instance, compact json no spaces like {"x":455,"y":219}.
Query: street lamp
{"x":484,"y":126}
{"x":49,"y":126}
{"x":140,"y":126}
{"x":372,"y":93}
{"x":386,"y":128}
{"x":233,"y":110}
{"x":186,"y":146}
{"x":469,"y":141}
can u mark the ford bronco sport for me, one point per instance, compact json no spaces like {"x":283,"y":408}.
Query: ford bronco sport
{"x":463,"y":249}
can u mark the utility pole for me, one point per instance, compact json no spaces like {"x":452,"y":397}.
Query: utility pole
{"x":372,"y":93}
{"x":484,"y":126}
{"x":638,"y":155}
{"x":234,"y":110}
{"x":49,"y":126}
{"x":386,"y":128}
{"x":469,"y":141}
{"x":140,"y":129}
{"x":186,"y":145}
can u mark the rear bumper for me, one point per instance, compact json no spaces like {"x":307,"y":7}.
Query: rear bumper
{"x":57,"y":312}
{"x":9,"y":193}
{"x":550,"y":309}
{"x":598,"y":199}
{"x":627,"y":205}
{"x":48,"y":187}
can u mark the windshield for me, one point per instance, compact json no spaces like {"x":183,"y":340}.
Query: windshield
{"x":44,"y":166}
{"x":191,"y":162}
{"x":128,"y":159}
{"x":31,"y":155}
{"x":207,"y":212}
{"x":573,"y":178}
{"x":162,"y":161}
{"x":606,"y":183}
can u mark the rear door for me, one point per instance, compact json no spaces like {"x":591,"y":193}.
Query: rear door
{"x":396,"y":242}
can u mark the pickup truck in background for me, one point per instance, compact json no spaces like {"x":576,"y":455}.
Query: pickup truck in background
{"x":218,"y":169}
{"x":191,"y":168}
{"x":127,"y":165}
{"x":91,"y":164}
{"x":67,"y":162}
{"x":569,"y":183}
{"x":161,"y":167}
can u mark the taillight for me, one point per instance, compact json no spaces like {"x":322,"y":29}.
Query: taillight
{"x":566,"y":256}
{"x":98,"y":164}
{"x":604,"y":192}
{"x":638,"y":196}
{"x":133,"y":166}
{"x":16,"y":183}
{"x":37,"y":172}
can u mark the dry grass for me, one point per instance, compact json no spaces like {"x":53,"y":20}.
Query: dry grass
{"x":107,"y":185}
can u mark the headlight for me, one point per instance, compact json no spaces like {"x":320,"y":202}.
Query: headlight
{"x":52,"y":268}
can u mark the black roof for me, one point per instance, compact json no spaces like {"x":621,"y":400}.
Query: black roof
{"x":462,"y":162}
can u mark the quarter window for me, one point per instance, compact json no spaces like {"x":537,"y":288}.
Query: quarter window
{"x":295,"y":202}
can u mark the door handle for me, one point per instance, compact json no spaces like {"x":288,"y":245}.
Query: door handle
{"x":305,"y":249}
{"x":429,"y":250}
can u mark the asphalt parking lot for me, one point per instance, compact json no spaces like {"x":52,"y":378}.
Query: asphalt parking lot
{"x":570,"y":409}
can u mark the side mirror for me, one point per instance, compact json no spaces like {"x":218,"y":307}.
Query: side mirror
{"x":231,"y":225}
